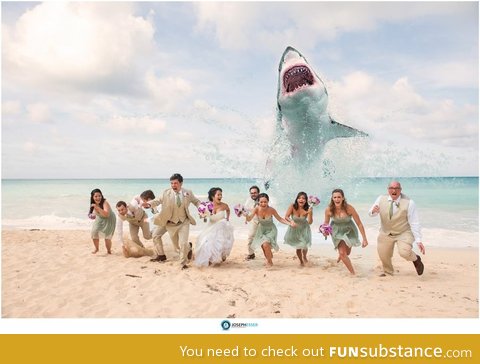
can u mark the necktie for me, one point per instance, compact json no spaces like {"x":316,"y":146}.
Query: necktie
{"x":178,"y":200}
{"x":390,"y":211}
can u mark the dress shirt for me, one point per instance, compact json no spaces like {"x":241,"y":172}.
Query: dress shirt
{"x":250,"y":204}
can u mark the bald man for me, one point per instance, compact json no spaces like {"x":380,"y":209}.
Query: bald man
{"x":400,"y":226}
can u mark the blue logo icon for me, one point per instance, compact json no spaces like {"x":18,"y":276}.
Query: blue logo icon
{"x":225,"y":324}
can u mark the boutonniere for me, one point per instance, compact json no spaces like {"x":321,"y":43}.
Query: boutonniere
{"x":397,"y":204}
{"x":186,"y":194}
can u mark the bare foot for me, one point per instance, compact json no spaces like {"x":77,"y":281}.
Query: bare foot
{"x":109,"y":252}
{"x":301,"y":260}
{"x":95,"y":251}
{"x":269,"y":263}
{"x":339,"y":259}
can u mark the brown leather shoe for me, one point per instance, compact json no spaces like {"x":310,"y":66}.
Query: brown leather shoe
{"x":419,"y":265}
{"x":190,"y":252}
{"x":160,"y":258}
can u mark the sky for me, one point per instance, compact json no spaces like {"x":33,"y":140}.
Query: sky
{"x":144,"y":90}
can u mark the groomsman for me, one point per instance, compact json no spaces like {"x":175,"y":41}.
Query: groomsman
{"x":175,"y":219}
{"x":137,"y":219}
{"x":400,"y":226}
{"x":250,"y":204}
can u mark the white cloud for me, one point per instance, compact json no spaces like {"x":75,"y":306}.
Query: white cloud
{"x":144,"y":124}
{"x":232,"y":22}
{"x":88,"y":118}
{"x":204,"y":106}
{"x":10,"y":108}
{"x":30,"y":147}
{"x":167,"y":92}
{"x":77,"y":43}
{"x":39,"y":112}
{"x":398,"y":112}
{"x":184,"y":136}
{"x":462,"y":73}
{"x":267,"y":25}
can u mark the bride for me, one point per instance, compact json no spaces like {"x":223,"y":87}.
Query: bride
{"x":215,"y":242}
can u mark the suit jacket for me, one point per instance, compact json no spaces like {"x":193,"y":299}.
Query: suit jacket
{"x":168,"y":204}
{"x":137,"y":217}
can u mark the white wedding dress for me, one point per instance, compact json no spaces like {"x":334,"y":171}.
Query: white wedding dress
{"x":215,"y":242}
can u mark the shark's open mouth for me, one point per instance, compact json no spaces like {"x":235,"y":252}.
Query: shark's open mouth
{"x":296,"y":77}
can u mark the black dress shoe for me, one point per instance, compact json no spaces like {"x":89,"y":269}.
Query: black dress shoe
{"x":160,"y":258}
{"x":185,"y":267}
{"x":190,"y":253}
{"x":418,"y":265}
{"x":250,"y":256}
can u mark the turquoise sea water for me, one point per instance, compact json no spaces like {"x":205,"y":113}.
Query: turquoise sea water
{"x":444,"y":203}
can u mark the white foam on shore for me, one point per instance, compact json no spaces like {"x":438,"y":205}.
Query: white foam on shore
{"x":47,"y":222}
{"x":431,"y":237}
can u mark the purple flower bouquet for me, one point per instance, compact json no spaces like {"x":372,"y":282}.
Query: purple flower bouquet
{"x":205,"y":209}
{"x":313,"y":200}
{"x":325,"y":229}
{"x":240,"y":210}
{"x":92,"y":216}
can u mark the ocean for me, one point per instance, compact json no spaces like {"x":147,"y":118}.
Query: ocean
{"x":445,"y":204}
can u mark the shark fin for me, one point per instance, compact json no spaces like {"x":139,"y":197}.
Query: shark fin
{"x":344,"y":131}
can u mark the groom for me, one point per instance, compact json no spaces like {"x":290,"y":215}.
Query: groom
{"x":175,"y":219}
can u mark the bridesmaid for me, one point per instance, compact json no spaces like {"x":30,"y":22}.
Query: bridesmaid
{"x":266,"y":234}
{"x":341,"y":215}
{"x":105,"y":220}
{"x":300,"y":237}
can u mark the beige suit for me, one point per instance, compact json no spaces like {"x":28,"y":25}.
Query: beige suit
{"x":394,"y":230}
{"x":175,"y":220}
{"x":136,"y":217}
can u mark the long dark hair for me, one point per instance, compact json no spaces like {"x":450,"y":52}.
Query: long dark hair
{"x":332,"y":205}
{"x":212,"y":191}
{"x":91,"y":199}
{"x":295,"y":204}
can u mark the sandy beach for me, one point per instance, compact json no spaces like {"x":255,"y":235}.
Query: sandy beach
{"x":52,"y":274}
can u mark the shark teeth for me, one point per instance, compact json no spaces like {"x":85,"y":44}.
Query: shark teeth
{"x":297,"y":77}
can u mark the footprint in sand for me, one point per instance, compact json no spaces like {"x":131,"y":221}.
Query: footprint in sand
{"x":351,"y":307}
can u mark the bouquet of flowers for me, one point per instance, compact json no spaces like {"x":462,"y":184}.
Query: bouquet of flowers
{"x":313,"y":200}
{"x":325,"y":229}
{"x":240,"y":210}
{"x":92,"y":216}
{"x":204,"y":210}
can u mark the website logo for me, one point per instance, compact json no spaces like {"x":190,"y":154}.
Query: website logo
{"x":225,"y":324}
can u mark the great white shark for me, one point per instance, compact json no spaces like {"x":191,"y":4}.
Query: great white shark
{"x":303,"y":125}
